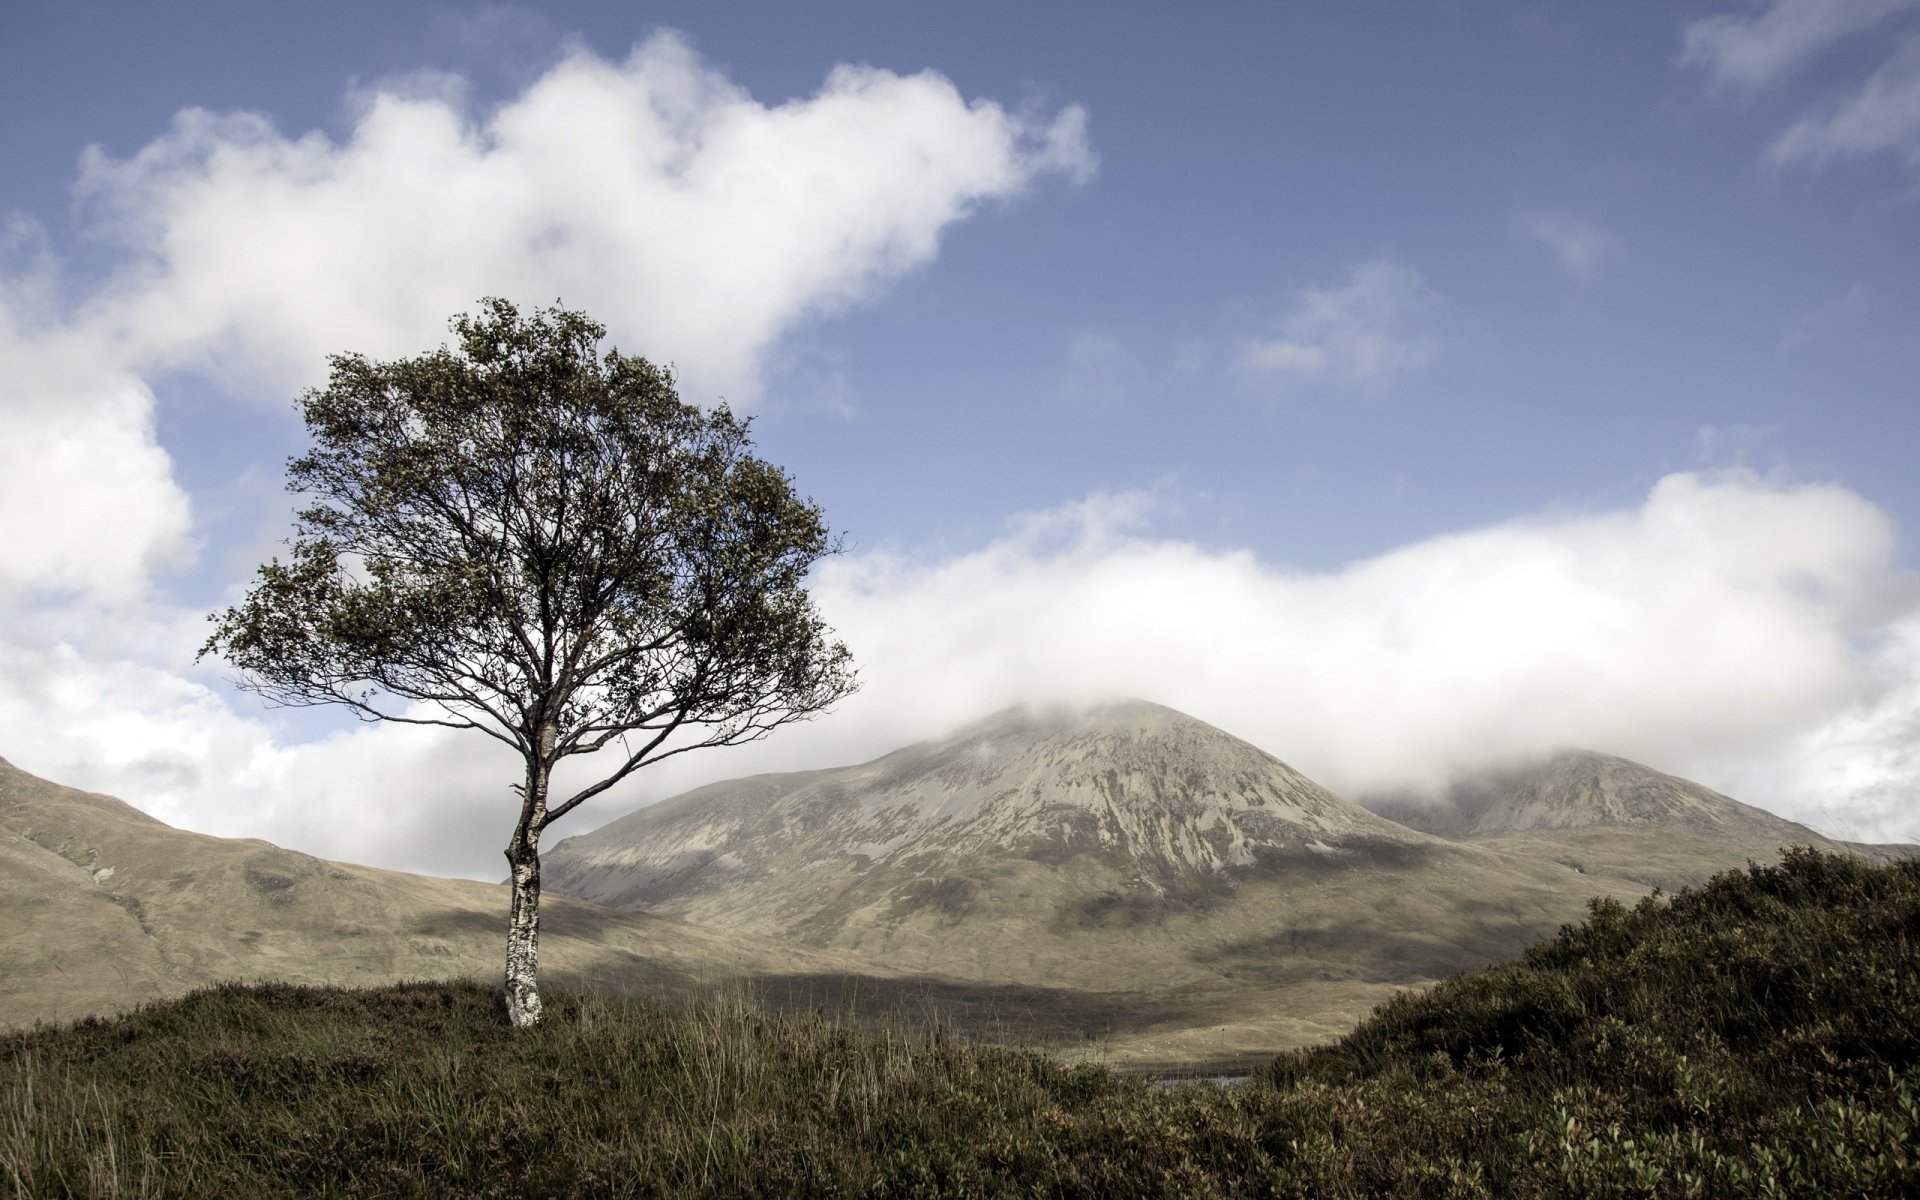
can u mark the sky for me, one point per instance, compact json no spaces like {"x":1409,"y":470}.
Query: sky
{"x":1403,"y":387}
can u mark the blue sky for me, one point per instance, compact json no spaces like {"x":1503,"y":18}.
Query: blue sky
{"x":1403,"y":387}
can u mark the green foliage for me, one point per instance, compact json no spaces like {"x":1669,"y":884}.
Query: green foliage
{"x":523,"y":536}
{"x":1757,"y":1036}
{"x":1752,"y":1038}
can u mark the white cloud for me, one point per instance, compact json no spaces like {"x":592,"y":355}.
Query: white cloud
{"x":1751,"y":54}
{"x":1754,"y":52}
{"x":1717,"y":614}
{"x":88,"y":504}
{"x":1743,"y":631}
{"x":1856,"y":775}
{"x":700,"y":224}
{"x":407,"y":797}
{"x":1581,"y":247}
{"x":1363,"y":331}
{"x":87,"y":497}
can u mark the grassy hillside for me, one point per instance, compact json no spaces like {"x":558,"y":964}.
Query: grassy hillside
{"x":1754,"y":1037}
{"x":1757,"y":1036}
{"x":108,"y":908}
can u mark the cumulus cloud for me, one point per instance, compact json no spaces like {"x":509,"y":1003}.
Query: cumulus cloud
{"x":1741,"y":630}
{"x":406,"y":797}
{"x":87,"y":496}
{"x":1857,"y":774}
{"x":1365,"y":330}
{"x":700,"y":224}
{"x":1581,"y":247}
{"x":1750,"y":54}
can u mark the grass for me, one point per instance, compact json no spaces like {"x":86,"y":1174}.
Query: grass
{"x":1754,"y":1037}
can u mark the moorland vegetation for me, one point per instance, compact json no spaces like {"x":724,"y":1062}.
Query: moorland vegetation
{"x":1755,"y":1036}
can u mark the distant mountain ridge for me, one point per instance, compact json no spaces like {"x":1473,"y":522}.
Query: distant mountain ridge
{"x":1579,"y":789}
{"x":1603,"y":814}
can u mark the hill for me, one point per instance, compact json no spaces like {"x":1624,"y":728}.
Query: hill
{"x":1755,"y":1037}
{"x":111,"y":908}
{"x":1759,"y":1035}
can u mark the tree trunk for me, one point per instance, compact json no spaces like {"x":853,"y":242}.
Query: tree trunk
{"x":523,"y":928}
{"x":523,"y":932}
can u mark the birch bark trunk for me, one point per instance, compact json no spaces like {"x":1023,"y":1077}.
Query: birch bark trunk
{"x":523,"y":933}
{"x":523,"y":928}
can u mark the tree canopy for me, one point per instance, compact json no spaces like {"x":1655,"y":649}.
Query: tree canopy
{"x":522,"y":536}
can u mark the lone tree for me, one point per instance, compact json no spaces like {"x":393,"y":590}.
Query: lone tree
{"x":526,"y":538}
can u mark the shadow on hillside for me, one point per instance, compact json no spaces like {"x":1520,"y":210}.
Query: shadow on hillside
{"x":1009,"y":1013}
{"x":559,"y":917}
{"x":1017,"y":1013}
{"x":1364,"y":947}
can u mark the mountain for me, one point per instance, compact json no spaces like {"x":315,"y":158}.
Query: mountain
{"x":1611,"y":816}
{"x":108,"y":908}
{"x":1126,"y":848}
{"x":1138,"y":787}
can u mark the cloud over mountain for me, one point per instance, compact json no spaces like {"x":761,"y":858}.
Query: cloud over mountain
{"x":1746,"y":630}
{"x":227,"y":257}
{"x":1743,"y":631}
{"x":1712,"y":619}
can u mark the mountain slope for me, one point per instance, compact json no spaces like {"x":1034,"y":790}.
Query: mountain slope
{"x":109,"y":908}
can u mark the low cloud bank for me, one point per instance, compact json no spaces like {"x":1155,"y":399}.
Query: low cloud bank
{"x":1746,"y":632}
{"x":1728,"y":619}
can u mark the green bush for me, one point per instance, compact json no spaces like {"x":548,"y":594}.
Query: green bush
{"x":1754,"y":1037}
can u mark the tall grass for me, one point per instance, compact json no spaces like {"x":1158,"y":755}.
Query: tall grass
{"x":1753,"y":1038}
